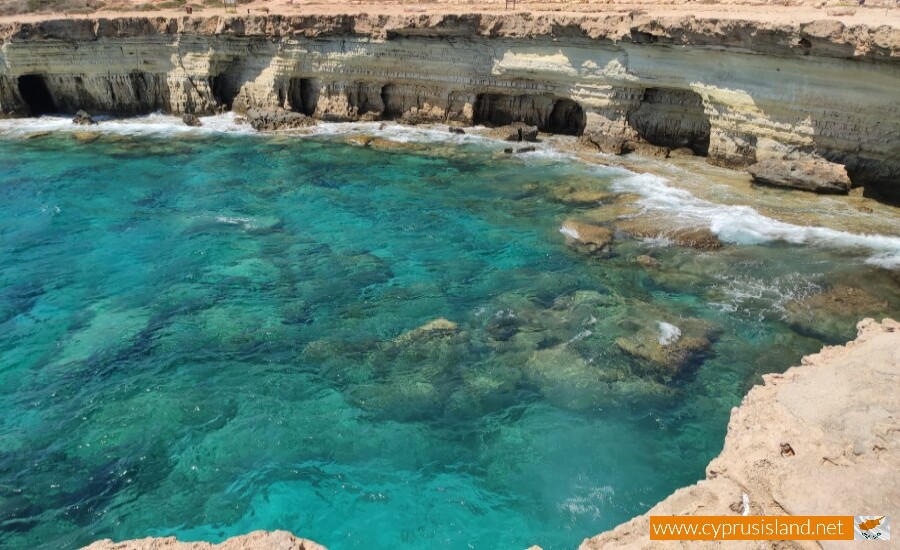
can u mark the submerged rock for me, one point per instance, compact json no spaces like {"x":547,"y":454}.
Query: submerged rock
{"x":574,"y":196}
{"x":392,"y":145}
{"x":644,"y":227}
{"x":455,"y":130}
{"x":667,"y":348}
{"x":361,"y":140}
{"x":191,"y":120}
{"x":432,"y":329}
{"x":586,"y":237}
{"x":83,"y":118}
{"x":272,"y":120}
{"x":86,"y":137}
{"x":648,"y":262}
{"x":811,"y":174}
{"x":515,"y":132}
{"x":831,"y":314}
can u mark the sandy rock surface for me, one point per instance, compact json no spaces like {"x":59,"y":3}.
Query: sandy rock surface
{"x":257,"y":540}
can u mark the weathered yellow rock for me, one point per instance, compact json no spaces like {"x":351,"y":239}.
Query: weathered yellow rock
{"x":359,"y":139}
{"x":436,"y":328}
{"x":587,"y":237}
{"x":646,"y":227}
{"x":86,"y":137}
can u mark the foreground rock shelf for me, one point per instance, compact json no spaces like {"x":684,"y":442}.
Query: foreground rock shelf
{"x":257,"y":540}
{"x":806,"y":442}
{"x":819,"y":94}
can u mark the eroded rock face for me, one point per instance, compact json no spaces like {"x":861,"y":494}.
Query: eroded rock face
{"x":806,"y":442}
{"x":816,"y":175}
{"x":798,"y":88}
{"x":257,"y":540}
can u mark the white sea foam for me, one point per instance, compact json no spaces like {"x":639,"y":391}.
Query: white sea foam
{"x":570,"y":232}
{"x":155,"y":124}
{"x":744,"y":225}
{"x":668,"y":333}
{"x":735,"y":224}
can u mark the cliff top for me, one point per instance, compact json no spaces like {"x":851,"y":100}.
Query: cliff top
{"x":782,"y":12}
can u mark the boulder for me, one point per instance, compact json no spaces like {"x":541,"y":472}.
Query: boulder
{"x":510,"y":150}
{"x":83,"y":118}
{"x":454,"y":130}
{"x":586,"y":237}
{"x":518,"y":131}
{"x":813,"y":174}
{"x":191,"y":120}
{"x":605,"y":143}
{"x":273,"y":120}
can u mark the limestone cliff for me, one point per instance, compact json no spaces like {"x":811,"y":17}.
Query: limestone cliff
{"x":820,"y":439}
{"x":735,"y":91}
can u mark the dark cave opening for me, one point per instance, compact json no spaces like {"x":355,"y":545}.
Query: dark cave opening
{"x":567,"y":117}
{"x":549,"y":114}
{"x":34,"y":91}
{"x":303,"y":95}
{"x":672,"y":118}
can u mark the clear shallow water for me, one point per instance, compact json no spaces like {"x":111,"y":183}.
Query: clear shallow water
{"x":203,"y":335}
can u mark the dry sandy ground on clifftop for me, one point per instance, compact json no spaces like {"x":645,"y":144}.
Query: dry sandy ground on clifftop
{"x":876,"y":12}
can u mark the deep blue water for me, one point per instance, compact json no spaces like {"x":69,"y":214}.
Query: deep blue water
{"x":205,"y":335}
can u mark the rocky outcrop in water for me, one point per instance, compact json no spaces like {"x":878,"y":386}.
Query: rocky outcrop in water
{"x":734,"y":91}
{"x":807,"y":442}
{"x":816,"y":175}
{"x":277,"y":119}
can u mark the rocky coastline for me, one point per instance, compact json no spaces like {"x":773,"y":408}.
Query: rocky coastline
{"x":808,"y":441}
{"x":813,"y":106}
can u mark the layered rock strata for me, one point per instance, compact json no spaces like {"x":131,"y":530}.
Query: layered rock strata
{"x":820,"y":439}
{"x":739,"y":92}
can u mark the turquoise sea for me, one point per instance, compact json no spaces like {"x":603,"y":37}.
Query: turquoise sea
{"x":204,"y":334}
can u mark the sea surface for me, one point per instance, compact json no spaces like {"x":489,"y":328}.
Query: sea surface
{"x":208,"y":332}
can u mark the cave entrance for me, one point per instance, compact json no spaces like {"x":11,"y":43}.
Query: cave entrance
{"x":567,"y":117}
{"x":35,"y":94}
{"x":672,"y":118}
{"x":226,"y":84}
{"x":549,"y":114}
{"x":303,"y":95}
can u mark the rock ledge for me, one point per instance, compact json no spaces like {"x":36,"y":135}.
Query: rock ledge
{"x":820,"y":439}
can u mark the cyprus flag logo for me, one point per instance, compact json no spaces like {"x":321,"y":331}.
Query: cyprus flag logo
{"x":871,"y":528}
